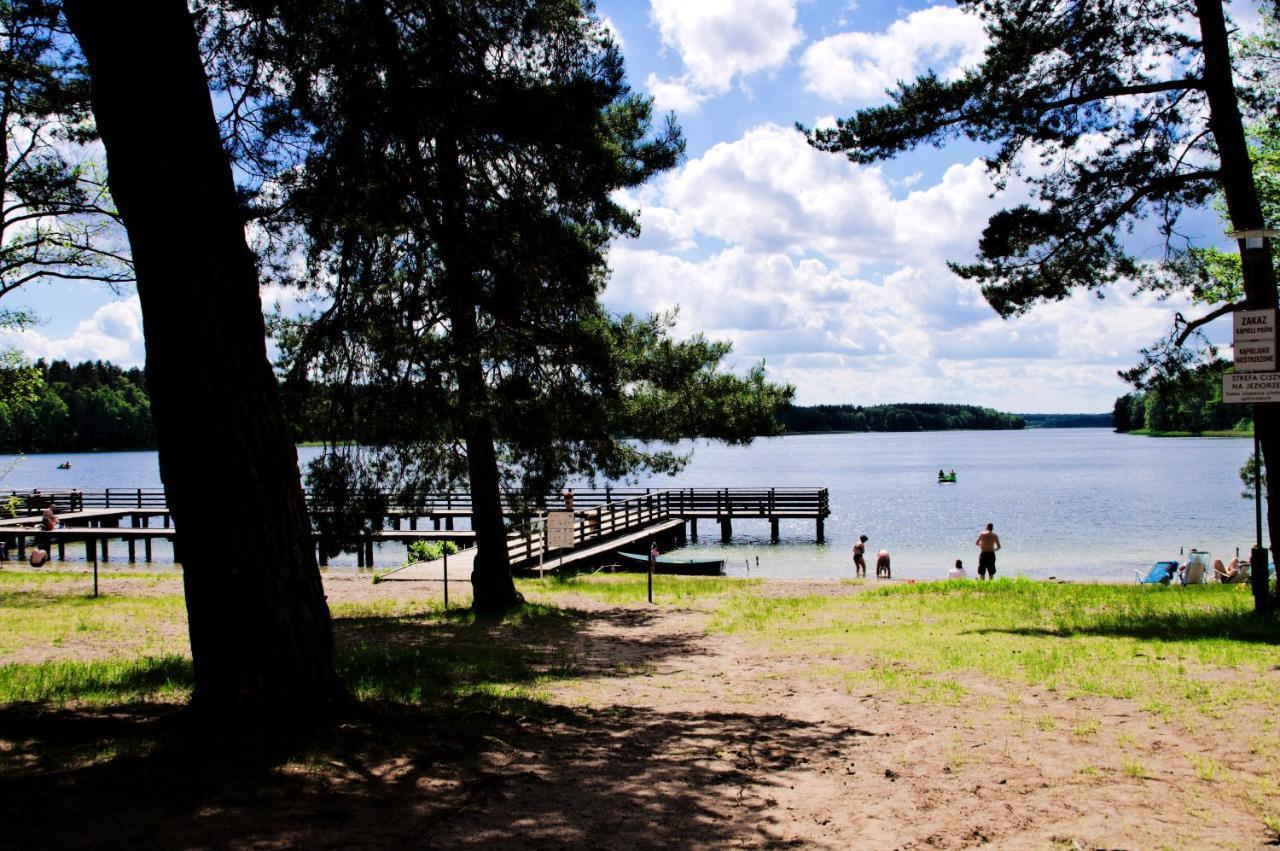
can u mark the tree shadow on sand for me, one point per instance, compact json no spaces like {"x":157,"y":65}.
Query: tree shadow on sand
{"x":454,"y":748}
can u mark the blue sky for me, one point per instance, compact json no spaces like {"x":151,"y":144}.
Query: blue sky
{"x":834,"y":274}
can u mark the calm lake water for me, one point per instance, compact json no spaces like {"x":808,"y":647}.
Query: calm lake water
{"x":1071,"y":503}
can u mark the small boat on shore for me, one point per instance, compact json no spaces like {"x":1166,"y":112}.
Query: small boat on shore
{"x":673,"y":564}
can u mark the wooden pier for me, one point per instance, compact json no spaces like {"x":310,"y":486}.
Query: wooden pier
{"x":603,"y":519}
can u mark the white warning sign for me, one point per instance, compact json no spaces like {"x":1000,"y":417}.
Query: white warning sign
{"x":559,"y":530}
{"x":1251,"y":387}
{"x":1254,"y":341}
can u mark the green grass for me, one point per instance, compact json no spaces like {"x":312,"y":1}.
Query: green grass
{"x":31,"y":618}
{"x":102,"y":682}
{"x":37,"y":577}
{"x":408,"y":652}
{"x":1106,"y":640}
{"x":1144,"y":432}
{"x":415,"y":653}
{"x":620,"y":588}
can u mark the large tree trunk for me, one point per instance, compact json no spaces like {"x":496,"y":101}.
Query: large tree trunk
{"x":1244,"y":209}
{"x":261,"y":638}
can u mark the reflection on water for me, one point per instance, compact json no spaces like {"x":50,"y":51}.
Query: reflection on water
{"x":1073,"y":503}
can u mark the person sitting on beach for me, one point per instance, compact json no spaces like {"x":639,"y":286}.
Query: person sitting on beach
{"x":957,"y":572}
{"x":882,"y":564}
{"x":1228,"y":573}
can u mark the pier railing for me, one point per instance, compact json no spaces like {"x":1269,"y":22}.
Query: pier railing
{"x":67,"y":500}
{"x":591,"y":525}
{"x":685,"y":502}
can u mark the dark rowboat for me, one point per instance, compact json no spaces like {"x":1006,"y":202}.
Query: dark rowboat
{"x":674,"y":564}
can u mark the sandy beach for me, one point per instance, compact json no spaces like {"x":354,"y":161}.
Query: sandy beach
{"x":669,"y":732}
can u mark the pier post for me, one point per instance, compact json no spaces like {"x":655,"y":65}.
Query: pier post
{"x":133,"y":550}
{"x":106,"y":556}
{"x":726,"y":529}
{"x":693,"y":529}
{"x":773,"y":530}
{"x":413,"y":522}
{"x":359,"y":553}
{"x":821,"y":537}
{"x":62,"y":550}
{"x":448,"y":524}
{"x":146,"y":549}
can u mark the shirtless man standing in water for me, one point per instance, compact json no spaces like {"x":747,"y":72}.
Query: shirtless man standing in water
{"x":859,"y":560}
{"x":988,"y":542}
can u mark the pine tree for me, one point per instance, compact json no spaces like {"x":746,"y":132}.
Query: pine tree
{"x":1125,"y":109}
{"x":456,"y":202}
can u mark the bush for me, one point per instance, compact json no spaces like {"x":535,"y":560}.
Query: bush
{"x":430,"y":550}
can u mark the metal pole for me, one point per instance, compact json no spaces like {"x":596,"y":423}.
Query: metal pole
{"x":95,"y":570}
{"x":1257,"y":481}
{"x":446,"y":578}
{"x":653,"y":557}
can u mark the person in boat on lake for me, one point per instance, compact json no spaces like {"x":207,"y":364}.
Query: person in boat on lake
{"x":882,"y":564}
{"x":988,"y":542}
{"x":859,"y":558}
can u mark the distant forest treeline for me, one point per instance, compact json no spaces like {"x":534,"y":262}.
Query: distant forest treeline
{"x":99,"y":406}
{"x":1192,"y":402}
{"x":1068,"y":420}
{"x":90,"y":406}
{"x":921,"y":416}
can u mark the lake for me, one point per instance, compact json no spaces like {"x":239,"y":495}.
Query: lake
{"x":1070,"y":503}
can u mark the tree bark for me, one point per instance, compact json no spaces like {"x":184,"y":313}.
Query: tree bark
{"x":261,"y":637}
{"x":1244,"y":209}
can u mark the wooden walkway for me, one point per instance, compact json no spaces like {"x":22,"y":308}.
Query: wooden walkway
{"x":604,"y":519}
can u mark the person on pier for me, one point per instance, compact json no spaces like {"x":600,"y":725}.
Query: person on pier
{"x":47,"y":519}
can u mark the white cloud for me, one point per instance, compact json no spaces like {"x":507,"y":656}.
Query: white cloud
{"x":770,"y":191}
{"x":718,"y":41}
{"x":113,"y":333}
{"x":838,"y":279}
{"x":673,"y":95}
{"x":857,"y":67}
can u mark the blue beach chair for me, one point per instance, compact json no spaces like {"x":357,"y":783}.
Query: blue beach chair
{"x":1161,"y":573}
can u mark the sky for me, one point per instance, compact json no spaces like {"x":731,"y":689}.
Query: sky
{"x":833,"y":274}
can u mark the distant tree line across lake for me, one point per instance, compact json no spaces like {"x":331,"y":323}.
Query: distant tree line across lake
{"x":911,"y":416}
{"x":90,"y":406}
{"x":97,"y":405}
{"x":1191,"y":402}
